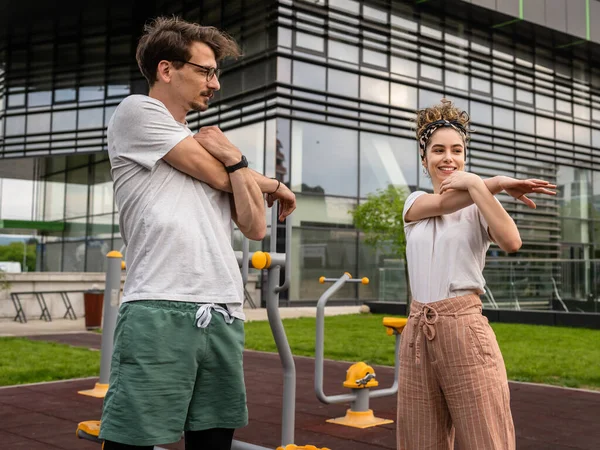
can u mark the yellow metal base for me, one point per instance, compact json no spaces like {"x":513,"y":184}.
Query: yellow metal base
{"x":99,"y":391}
{"x":360,"y":419}
{"x":301,"y":447}
{"x":91,"y":427}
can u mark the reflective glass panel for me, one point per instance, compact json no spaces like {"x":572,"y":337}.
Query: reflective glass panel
{"x":324,"y":159}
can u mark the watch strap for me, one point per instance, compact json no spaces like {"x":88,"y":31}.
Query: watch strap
{"x":243,"y":163}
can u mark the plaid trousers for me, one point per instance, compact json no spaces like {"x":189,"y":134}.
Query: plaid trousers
{"x":452,"y":380}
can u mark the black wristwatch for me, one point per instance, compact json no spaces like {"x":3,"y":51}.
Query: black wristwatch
{"x":243,"y":163}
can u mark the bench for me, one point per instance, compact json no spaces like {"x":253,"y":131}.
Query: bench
{"x":39,"y":296}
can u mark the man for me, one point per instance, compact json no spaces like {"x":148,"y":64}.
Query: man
{"x":177,"y":360}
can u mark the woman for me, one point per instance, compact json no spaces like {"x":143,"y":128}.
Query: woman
{"x":452,"y":376}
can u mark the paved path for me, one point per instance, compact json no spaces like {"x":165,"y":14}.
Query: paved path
{"x":43,"y":416}
{"x":32,"y":327}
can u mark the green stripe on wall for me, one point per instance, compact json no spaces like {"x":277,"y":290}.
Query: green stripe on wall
{"x":521,"y":9}
{"x":588,"y":31}
{"x":32,"y":225}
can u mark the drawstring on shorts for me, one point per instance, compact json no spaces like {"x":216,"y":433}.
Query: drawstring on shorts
{"x":204,"y":315}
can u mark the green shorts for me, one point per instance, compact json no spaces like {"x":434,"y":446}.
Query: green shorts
{"x":167,"y":375}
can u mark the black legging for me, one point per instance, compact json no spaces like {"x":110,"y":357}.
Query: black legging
{"x":213,"y":439}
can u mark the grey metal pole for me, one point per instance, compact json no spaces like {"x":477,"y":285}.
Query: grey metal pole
{"x":273,"y":240}
{"x":286,"y":357}
{"x":238,"y":445}
{"x":394,"y":388}
{"x":288,"y":256}
{"x":319,"y":343}
{"x":278,"y":260}
{"x":361,"y":402}
{"x":319,"y":350}
{"x":112,"y":295}
{"x":112,"y":292}
{"x":245,"y":258}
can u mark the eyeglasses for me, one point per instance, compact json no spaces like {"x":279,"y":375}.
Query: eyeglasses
{"x":210,"y":71}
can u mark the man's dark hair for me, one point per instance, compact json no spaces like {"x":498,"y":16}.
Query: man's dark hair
{"x":170,"y":38}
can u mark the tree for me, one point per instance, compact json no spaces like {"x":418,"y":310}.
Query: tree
{"x":380,"y":218}
{"x":14,"y":252}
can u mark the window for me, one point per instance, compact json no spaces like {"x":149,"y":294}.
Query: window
{"x":251,"y":142}
{"x":402,"y":95}
{"x":90,"y":118}
{"x":431,"y":72}
{"x":386,"y":160}
{"x":524,"y":96}
{"x":525,"y":123}
{"x":457,"y":80}
{"x":406,"y":67}
{"x":374,"y":89}
{"x":581,"y":112}
{"x":15,"y":125}
{"x":17,"y":199}
{"x":322,"y":252}
{"x":582,"y":135}
{"x":574,"y":192}
{"x":64,"y":120}
{"x":343,"y":52}
{"x":38,"y":123}
{"x":429,"y":98}
{"x":374,"y":58}
{"x":54,"y":197}
{"x":324,"y":159}
{"x":101,"y":201}
{"x":310,"y":41}
{"x":544,"y":127}
{"x":316,"y":210}
{"x":480,"y":113}
{"x":77,"y":194}
{"x":346,"y":5}
{"x":309,"y":75}
{"x":342,"y":83}
{"x":503,"y":92}
{"x":39,"y":98}
{"x":544,"y":102}
{"x":564,"y":131}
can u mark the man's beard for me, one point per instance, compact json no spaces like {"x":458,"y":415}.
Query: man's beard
{"x":200,"y":106}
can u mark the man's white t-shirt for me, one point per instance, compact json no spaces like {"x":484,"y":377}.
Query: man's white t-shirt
{"x":446,"y":254}
{"x":177,"y":229}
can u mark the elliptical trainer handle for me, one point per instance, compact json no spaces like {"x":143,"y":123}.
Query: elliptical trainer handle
{"x":245,"y":259}
{"x":288,"y":253}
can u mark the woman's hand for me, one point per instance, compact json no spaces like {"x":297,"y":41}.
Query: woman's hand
{"x":460,"y":181}
{"x":519,"y":188}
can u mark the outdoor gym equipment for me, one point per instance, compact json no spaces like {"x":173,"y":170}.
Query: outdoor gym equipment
{"x":90,"y":429}
{"x":112,"y":291}
{"x":360,"y":377}
{"x":271,"y":261}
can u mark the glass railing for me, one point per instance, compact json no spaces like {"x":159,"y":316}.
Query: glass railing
{"x":532,"y":284}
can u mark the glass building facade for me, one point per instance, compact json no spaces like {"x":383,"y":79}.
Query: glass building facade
{"x":323,"y":99}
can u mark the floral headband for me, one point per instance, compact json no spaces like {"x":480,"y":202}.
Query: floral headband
{"x":433,"y":126}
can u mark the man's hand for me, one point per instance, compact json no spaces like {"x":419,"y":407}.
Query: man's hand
{"x":217,"y":144}
{"x":519,"y":188}
{"x":460,"y":181}
{"x":287,"y":201}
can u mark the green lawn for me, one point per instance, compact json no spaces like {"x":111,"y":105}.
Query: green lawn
{"x":540,"y":354}
{"x":25,"y":361}
{"x":562,"y":356}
